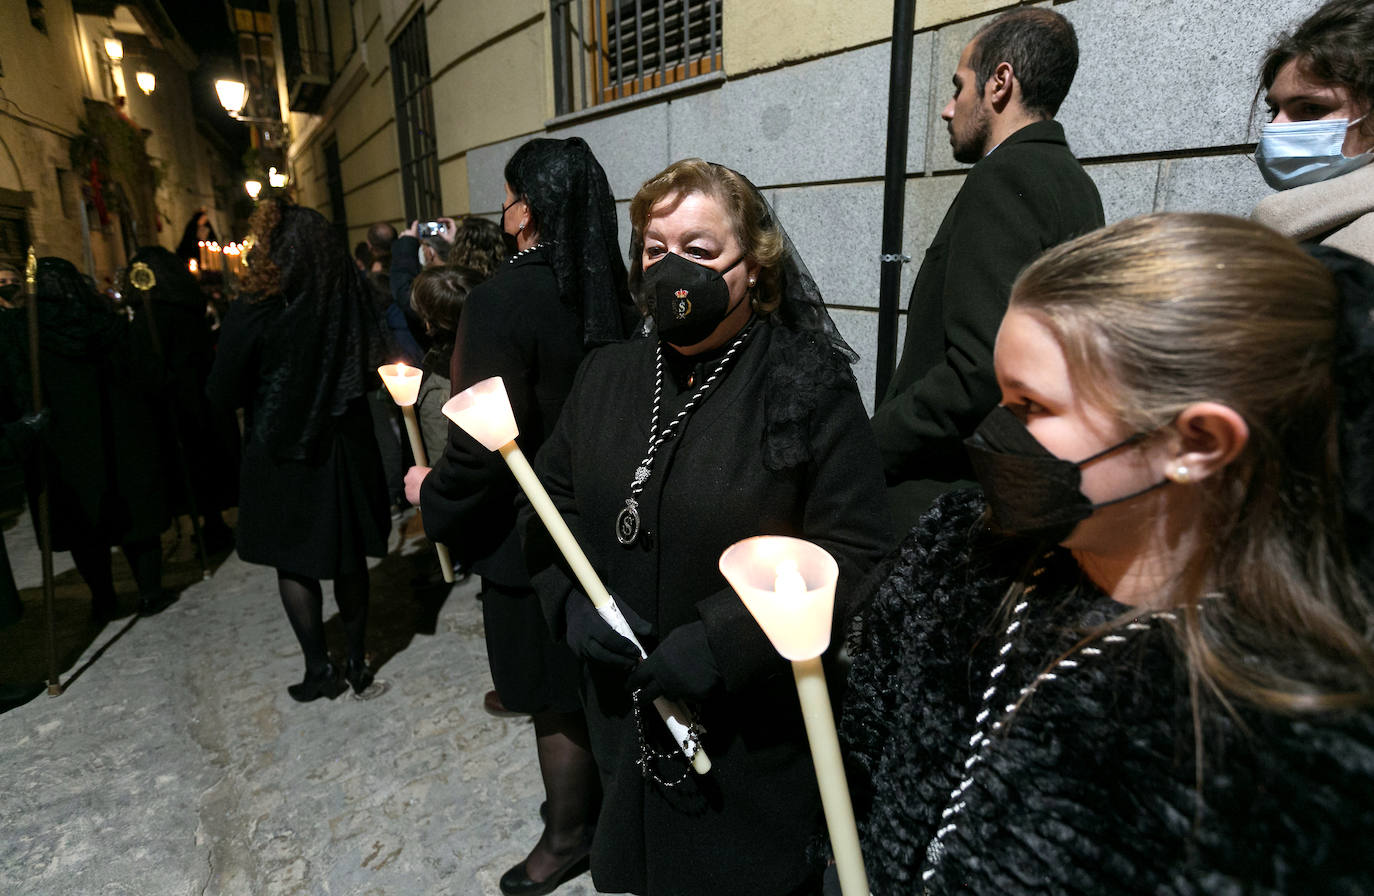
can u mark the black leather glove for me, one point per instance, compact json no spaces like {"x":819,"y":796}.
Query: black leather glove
{"x":592,"y":638}
{"x":682,"y":666}
{"x":830,"y":884}
{"x":25,"y":434}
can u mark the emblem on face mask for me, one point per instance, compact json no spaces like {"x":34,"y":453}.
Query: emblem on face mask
{"x":682,"y":307}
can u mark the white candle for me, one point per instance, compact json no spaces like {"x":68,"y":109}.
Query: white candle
{"x":788,"y":585}
{"x":483,"y":411}
{"x":403,"y":382}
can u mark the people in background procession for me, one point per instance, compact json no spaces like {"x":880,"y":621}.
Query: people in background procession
{"x":199,"y":442}
{"x":1318,"y":82}
{"x":102,"y":463}
{"x":562,"y":294}
{"x":299,"y":353}
{"x":439,"y":294}
{"x":1140,"y":661}
{"x":742,"y":410}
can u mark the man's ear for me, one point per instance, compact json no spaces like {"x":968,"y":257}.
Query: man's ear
{"x":1000,"y":87}
{"x":1209,"y":436}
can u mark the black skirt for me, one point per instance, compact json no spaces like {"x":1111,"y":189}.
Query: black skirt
{"x":531,"y":671}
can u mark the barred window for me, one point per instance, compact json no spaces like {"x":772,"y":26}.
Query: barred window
{"x":608,"y":49}
{"x":415,"y":121}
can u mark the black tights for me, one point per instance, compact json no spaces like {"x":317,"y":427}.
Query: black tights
{"x":92,"y":560}
{"x":303,"y":599}
{"x":573,"y":788}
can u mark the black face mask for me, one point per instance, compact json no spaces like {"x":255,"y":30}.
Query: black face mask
{"x":1029,"y":490}
{"x":690,"y":299}
{"x":10,"y":292}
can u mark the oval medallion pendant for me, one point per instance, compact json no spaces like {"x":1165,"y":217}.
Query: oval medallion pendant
{"x":627,"y":523}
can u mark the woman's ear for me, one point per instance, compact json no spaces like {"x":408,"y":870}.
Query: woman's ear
{"x":1209,"y":435}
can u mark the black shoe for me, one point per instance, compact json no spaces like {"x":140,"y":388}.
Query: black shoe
{"x":104,"y":610}
{"x":321,"y":682}
{"x":359,"y":675}
{"x":218,"y":539}
{"x":152,"y":604}
{"x":516,"y":882}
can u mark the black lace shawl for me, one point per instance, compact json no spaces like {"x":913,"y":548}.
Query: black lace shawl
{"x":572,"y":204}
{"x":324,"y":348}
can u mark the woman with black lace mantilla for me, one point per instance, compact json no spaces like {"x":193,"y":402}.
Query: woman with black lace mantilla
{"x":561,"y":294}
{"x":737,"y":416}
{"x":1140,"y":661}
{"x":299,"y":354}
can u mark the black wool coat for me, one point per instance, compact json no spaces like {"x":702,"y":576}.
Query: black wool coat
{"x":320,"y":517}
{"x":746,"y":826}
{"x":516,"y":327}
{"x":1027,"y":195}
{"x":182,"y":353}
{"x":1090,"y":785}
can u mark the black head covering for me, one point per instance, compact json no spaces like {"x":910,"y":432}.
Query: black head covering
{"x":807,"y":356}
{"x":324,"y":349}
{"x":189,"y":247}
{"x":801,"y":310}
{"x":572,"y":205}
{"x":72,"y":319}
{"x":173,"y":281}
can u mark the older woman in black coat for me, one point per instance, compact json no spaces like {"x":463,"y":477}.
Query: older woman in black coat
{"x":742,"y":411}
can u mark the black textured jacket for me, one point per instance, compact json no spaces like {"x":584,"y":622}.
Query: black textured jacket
{"x":745,"y":827}
{"x":1091,"y":785}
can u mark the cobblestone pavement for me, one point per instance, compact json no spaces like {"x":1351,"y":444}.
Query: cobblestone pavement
{"x":176,"y":763}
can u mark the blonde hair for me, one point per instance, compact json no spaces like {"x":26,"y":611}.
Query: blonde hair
{"x":1161,"y":311}
{"x":753,"y":226}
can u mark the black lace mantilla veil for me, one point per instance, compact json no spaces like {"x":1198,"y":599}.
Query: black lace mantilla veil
{"x":73,"y":322}
{"x":572,"y":201}
{"x":807,"y":356}
{"x":324,"y":349}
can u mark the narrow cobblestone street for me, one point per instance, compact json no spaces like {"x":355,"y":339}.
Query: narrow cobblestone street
{"x":176,"y":763}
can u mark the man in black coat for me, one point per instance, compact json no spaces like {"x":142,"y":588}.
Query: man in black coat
{"x":1025,"y":193}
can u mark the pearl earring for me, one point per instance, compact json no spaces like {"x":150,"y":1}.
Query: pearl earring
{"x":1180,"y":474}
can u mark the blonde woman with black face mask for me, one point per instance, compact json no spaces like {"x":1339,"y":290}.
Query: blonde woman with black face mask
{"x":1139,"y":661}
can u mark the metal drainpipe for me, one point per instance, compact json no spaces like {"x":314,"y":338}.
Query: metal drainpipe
{"x":894,"y":191}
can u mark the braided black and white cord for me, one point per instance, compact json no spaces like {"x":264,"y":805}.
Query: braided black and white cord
{"x":978,"y":743}
{"x":627,"y":522}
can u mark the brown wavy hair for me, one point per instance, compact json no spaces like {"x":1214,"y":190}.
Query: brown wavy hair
{"x":1159,"y":312}
{"x":263,"y":277}
{"x":754,"y":227}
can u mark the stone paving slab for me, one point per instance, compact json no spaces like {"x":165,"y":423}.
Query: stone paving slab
{"x":176,"y":763}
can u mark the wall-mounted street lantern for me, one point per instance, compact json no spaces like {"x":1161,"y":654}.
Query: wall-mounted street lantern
{"x":147,"y":82}
{"x":232,"y":96}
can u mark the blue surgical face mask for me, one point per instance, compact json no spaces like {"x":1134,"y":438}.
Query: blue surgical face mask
{"x":1297,"y":153}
